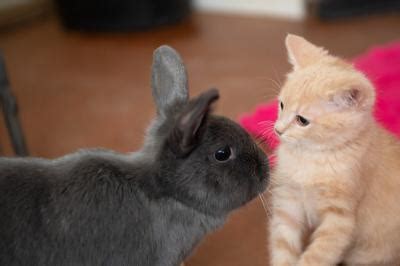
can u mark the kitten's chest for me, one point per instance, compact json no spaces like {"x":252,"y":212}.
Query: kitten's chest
{"x":307,"y":169}
{"x":309,"y":204}
{"x":298,"y":202}
{"x":309,"y":177}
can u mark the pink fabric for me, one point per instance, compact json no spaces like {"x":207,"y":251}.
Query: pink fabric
{"x":380,"y":64}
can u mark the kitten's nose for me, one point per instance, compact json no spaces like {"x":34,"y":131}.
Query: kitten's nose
{"x":278,"y":132}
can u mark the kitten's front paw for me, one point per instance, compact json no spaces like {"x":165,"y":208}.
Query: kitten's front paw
{"x":311,"y":261}
{"x":284,"y":262}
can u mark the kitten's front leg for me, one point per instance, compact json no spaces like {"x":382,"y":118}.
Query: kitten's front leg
{"x":332,"y":237}
{"x":286,"y":228}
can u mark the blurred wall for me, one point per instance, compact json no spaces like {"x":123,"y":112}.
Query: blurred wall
{"x":294,"y":9}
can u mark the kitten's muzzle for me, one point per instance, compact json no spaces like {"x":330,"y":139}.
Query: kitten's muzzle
{"x":277,"y":131}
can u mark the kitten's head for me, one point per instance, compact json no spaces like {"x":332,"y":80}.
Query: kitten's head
{"x":324,"y":102}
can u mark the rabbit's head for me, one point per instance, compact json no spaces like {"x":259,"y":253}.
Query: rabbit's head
{"x":206,"y":162}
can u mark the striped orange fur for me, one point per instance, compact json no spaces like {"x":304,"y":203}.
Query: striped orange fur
{"x":336,"y":185}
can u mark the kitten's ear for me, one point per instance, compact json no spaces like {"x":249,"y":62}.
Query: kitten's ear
{"x":344,"y":99}
{"x":188,"y":128}
{"x":301,"y":52}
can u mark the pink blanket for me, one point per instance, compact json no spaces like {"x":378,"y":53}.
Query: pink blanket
{"x":380,"y":64}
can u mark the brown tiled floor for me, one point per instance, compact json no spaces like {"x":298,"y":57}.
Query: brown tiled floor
{"x":77,"y":90}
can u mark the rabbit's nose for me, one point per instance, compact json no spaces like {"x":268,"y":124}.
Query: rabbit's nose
{"x":262,"y":165}
{"x":263,"y":171}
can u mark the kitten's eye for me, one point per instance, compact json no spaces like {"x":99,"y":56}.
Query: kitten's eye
{"x":223,"y":154}
{"x":281,"y":104}
{"x":302,"y":121}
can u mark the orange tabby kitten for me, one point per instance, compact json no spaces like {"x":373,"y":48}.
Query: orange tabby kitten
{"x":336,"y":194}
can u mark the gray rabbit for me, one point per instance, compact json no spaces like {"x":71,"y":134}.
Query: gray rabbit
{"x":152,"y":207}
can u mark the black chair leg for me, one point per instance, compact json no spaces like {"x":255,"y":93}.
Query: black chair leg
{"x":9,"y":107}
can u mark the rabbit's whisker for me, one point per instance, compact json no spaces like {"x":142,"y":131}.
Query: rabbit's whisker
{"x":262,"y":199}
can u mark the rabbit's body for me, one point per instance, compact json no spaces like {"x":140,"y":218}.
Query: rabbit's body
{"x":150,"y":208}
{"x":92,"y":208}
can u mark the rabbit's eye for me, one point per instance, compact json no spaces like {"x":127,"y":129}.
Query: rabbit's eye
{"x":281,"y":105}
{"x":223,"y":154}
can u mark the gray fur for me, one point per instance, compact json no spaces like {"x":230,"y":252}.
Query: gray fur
{"x":169,"y":79}
{"x":150,"y":208}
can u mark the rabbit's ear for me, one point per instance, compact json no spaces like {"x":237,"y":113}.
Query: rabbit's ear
{"x":188,"y":130}
{"x":168,"y":78}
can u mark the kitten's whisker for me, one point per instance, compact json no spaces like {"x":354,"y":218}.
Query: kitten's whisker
{"x":277,"y":85}
{"x":266,"y":123}
{"x":277,"y":77}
